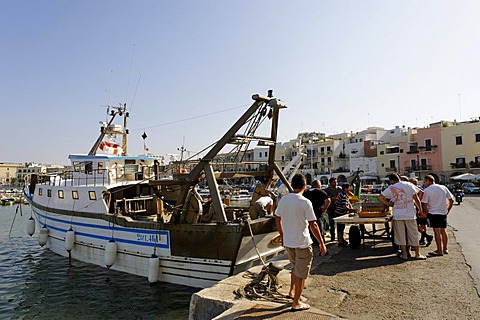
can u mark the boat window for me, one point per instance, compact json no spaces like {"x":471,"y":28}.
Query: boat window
{"x":75,"y":194}
{"x":60,"y":194}
{"x":131,"y":168}
{"x":92,"y":195}
{"x":89,"y":167}
{"x":40,"y":191}
{"x":49,"y":193}
{"x":83,"y":166}
{"x":100,"y":167}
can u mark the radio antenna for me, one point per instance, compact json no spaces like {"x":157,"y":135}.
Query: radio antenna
{"x":129,"y":73}
{"x":135,"y":92}
{"x":109,"y":92}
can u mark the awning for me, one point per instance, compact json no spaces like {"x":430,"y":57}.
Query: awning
{"x":465,"y":177}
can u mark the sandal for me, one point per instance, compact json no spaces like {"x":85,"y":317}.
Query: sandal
{"x":435,"y":254}
{"x":300,"y":307}
{"x":445,"y":252}
{"x":420,"y":257}
{"x":302,"y":298}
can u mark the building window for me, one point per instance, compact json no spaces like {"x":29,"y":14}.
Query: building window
{"x":75,"y":194}
{"x":477,"y":137}
{"x":458,"y":140}
{"x":49,"y":193}
{"x":60,"y":194}
{"x":92,"y":195}
{"x":460,"y":162}
{"x":428,"y":144}
{"x":392,"y":163}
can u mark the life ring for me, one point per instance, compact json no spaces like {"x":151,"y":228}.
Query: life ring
{"x":110,"y":147}
{"x":181,"y":170}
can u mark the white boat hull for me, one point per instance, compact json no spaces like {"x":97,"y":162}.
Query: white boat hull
{"x":136,"y":245}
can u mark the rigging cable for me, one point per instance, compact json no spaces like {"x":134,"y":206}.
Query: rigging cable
{"x":187,"y":119}
{"x":129,"y":73}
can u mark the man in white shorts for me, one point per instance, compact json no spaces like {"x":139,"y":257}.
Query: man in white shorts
{"x":402,"y":196}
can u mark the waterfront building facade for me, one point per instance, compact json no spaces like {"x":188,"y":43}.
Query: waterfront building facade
{"x":460,"y":147}
{"x":421,"y":155}
{"x":8,"y":172}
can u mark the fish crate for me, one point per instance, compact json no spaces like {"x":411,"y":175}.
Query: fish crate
{"x":372,"y":214}
{"x":373,"y":207}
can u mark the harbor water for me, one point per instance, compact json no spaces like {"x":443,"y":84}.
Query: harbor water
{"x":38,"y":284}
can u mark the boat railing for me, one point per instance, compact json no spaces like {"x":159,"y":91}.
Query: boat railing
{"x":138,"y":205}
{"x":95,"y":177}
{"x":98,"y":177}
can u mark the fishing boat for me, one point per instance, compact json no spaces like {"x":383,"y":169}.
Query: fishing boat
{"x":7,"y":201}
{"x":117,"y":211}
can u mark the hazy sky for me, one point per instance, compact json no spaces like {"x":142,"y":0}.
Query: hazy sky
{"x":339,"y":65}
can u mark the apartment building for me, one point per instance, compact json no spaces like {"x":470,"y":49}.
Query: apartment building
{"x":460,"y":147}
{"x":8,"y":171}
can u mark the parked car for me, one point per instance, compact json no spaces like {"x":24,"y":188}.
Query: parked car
{"x":470,"y":187}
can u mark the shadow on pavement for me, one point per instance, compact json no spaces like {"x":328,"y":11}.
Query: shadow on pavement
{"x":365,"y":257}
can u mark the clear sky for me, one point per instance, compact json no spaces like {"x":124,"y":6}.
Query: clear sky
{"x":340,"y":66}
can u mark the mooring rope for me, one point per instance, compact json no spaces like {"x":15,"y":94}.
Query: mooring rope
{"x":263,"y":286}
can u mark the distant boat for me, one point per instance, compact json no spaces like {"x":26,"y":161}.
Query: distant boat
{"x":115,"y":210}
{"x":7,"y":201}
{"x":242,"y":194}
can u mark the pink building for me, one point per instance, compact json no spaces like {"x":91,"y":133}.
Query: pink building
{"x":422,"y":154}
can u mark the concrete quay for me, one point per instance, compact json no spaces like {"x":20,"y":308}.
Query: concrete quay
{"x":366,"y":283}
{"x":221,"y":303}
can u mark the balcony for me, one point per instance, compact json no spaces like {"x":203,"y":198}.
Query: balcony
{"x":392,"y":169}
{"x":460,"y":165}
{"x":474,"y":164}
{"x":428,"y":148}
{"x":413,"y":151}
{"x":419,"y":168}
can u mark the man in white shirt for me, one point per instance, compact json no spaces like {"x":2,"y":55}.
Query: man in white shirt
{"x":437,"y":201}
{"x":294,"y":216}
{"x":263,"y":205}
{"x":402,"y":196}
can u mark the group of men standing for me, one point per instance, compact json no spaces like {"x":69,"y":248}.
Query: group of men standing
{"x":303,"y":211}
{"x":408,"y":201}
